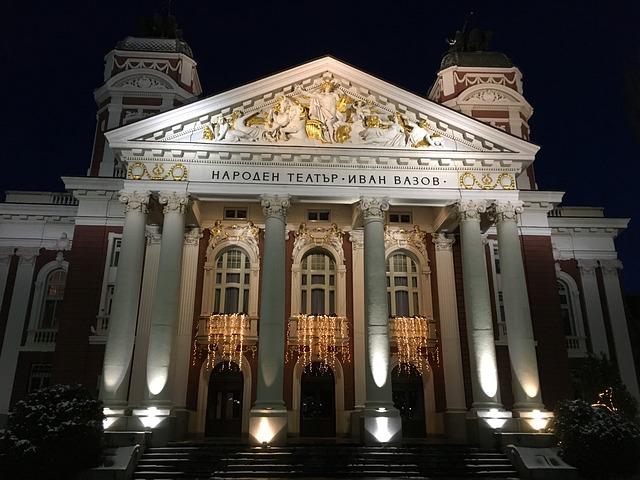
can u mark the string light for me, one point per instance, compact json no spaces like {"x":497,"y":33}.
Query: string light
{"x":319,"y":338}
{"x":416,"y":342}
{"x":224,"y":340}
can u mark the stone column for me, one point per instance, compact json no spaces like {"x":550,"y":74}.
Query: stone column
{"x":379,"y":396}
{"x":124,"y":310}
{"x":522,"y":350}
{"x":5,"y":263}
{"x":357,"y":249}
{"x":15,"y":323}
{"x":184,"y":337}
{"x":450,"y":337}
{"x":138,"y":390}
{"x":268,"y":418}
{"x":477,"y":305}
{"x":593,"y":310}
{"x":164,"y":310}
{"x":619,"y":327}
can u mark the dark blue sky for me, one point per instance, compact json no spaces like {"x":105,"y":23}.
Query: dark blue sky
{"x":575,"y":57}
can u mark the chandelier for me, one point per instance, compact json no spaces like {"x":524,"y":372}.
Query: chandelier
{"x":224,"y":339}
{"x":416,"y":342}
{"x":319,"y":338}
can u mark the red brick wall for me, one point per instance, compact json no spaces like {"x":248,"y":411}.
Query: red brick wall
{"x":75,"y":361}
{"x":546,"y":317}
{"x":23,"y":371}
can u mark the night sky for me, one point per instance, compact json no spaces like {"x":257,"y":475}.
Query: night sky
{"x":580,"y":61}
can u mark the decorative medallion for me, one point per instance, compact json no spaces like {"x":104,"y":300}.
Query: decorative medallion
{"x":140,"y":171}
{"x":503,"y":181}
{"x":318,"y":236}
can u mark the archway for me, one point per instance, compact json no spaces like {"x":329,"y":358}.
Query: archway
{"x":225,"y":401}
{"x":317,"y":401}
{"x":408,"y":398}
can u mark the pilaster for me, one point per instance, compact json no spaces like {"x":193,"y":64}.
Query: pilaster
{"x":593,"y":311}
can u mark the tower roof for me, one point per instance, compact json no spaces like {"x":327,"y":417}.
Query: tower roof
{"x":147,"y":44}
{"x":475,"y":59}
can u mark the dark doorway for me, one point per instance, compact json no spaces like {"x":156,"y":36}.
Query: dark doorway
{"x":408,"y":398}
{"x":317,"y":401}
{"x":224,"y":402}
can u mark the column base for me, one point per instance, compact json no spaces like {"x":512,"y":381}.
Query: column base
{"x":268,"y":426}
{"x":482,"y":425}
{"x":380,"y":426}
{"x":532,"y":420}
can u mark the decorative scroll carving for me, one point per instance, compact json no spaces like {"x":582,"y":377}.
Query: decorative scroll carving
{"x":442,"y":241}
{"x":587,"y":266}
{"x":174,"y":202}
{"x":401,"y":238}
{"x":373,"y":208}
{"x":275,"y":206}
{"x":504,"y":181}
{"x":356,"y":237}
{"x":245,"y":234}
{"x":506,"y":211}
{"x":139,"y":171}
{"x":193,"y":236}
{"x":319,"y":236}
{"x":135,"y":201}
{"x":611,"y":267}
{"x":144,"y":82}
{"x":470,"y":209}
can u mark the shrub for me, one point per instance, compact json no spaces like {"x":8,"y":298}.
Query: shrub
{"x":52,"y":434}
{"x":600,"y":443}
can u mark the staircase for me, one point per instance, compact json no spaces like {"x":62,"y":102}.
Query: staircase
{"x":192,"y":460}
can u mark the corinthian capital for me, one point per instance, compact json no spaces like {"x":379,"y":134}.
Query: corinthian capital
{"x":470,"y":209}
{"x":275,"y":206}
{"x":193,"y":236}
{"x":506,"y":211}
{"x":373,"y":208}
{"x":587,"y":266}
{"x":442,"y":241}
{"x":135,"y":201}
{"x":611,"y":267}
{"x":174,"y":202}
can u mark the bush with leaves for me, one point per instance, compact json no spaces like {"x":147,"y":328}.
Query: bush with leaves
{"x":52,"y":434}
{"x":600,"y":443}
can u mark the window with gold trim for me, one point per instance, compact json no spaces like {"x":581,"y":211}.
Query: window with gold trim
{"x":232,"y":282}
{"x":318,"y":279}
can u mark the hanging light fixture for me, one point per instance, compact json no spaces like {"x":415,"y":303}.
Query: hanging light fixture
{"x":416,"y":342}
{"x":225,"y":340}
{"x":319,"y":338}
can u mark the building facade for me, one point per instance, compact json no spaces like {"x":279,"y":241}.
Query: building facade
{"x":315,"y":253}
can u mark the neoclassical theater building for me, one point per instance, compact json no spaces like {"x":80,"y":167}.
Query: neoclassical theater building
{"x":316,"y":253}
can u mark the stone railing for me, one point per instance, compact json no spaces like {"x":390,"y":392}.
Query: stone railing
{"x":576,"y":346}
{"x":41,"y":339}
{"x":99,"y":330}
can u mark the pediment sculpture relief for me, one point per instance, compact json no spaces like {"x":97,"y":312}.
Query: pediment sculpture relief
{"x":326,"y":114}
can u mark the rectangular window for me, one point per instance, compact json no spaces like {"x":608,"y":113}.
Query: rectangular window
{"x":111,"y":288}
{"x":115,"y":252}
{"x":318,"y":215}
{"x":400,"y":217}
{"x":233,"y":278}
{"x":235,"y":213}
{"x":40,"y":377}
{"x":245,"y":301}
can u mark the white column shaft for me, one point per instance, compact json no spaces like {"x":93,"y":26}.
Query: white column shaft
{"x":124,"y":310}
{"x":522,"y":351}
{"x":184,"y":337}
{"x":15,"y":323}
{"x":164,"y":311}
{"x":619,"y":327}
{"x":449,"y":328}
{"x":377,"y":358}
{"x":138,"y":389}
{"x":595,"y":319}
{"x":269,"y":391}
{"x":477,"y":304}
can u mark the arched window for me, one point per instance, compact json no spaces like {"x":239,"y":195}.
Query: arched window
{"x":53,"y":295}
{"x":568,"y":316}
{"x":403,"y":285}
{"x":232,"y":279}
{"x":318,"y":278}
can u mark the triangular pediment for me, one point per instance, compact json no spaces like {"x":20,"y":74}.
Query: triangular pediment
{"x":325,"y":104}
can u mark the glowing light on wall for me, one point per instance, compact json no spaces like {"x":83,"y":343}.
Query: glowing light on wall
{"x":382,"y":432}
{"x":111,"y":415}
{"x":494,"y":418}
{"x":538,"y":420}
{"x":416,"y":342}
{"x":225,"y":340}
{"x":264,"y":432}
{"x":156,"y":381}
{"x":488,"y":375}
{"x":319,"y":338}
{"x":379,"y":359}
{"x":151,"y":417}
{"x":113,"y":376}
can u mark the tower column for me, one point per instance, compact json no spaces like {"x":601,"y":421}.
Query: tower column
{"x":593,"y":310}
{"x":382,"y":422}
{"x":268,"y":420}
{"x":166,"y":299}
{"x":484,"y":371}
{"x":522,"y":350}
{"x":619,"y":327}
{"x":15,"y":323}
{"x":450,"y":337}
{"x":124,"y":311}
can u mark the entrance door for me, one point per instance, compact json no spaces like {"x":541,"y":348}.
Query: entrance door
{"x":408,"y":398}
{"x":224,"y":402}
{"x":317,"y":401}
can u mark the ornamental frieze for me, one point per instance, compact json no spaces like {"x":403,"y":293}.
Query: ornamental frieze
{"x":400,"y":237}
{"x":247,"y":235}
{"x":139,"y":171}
